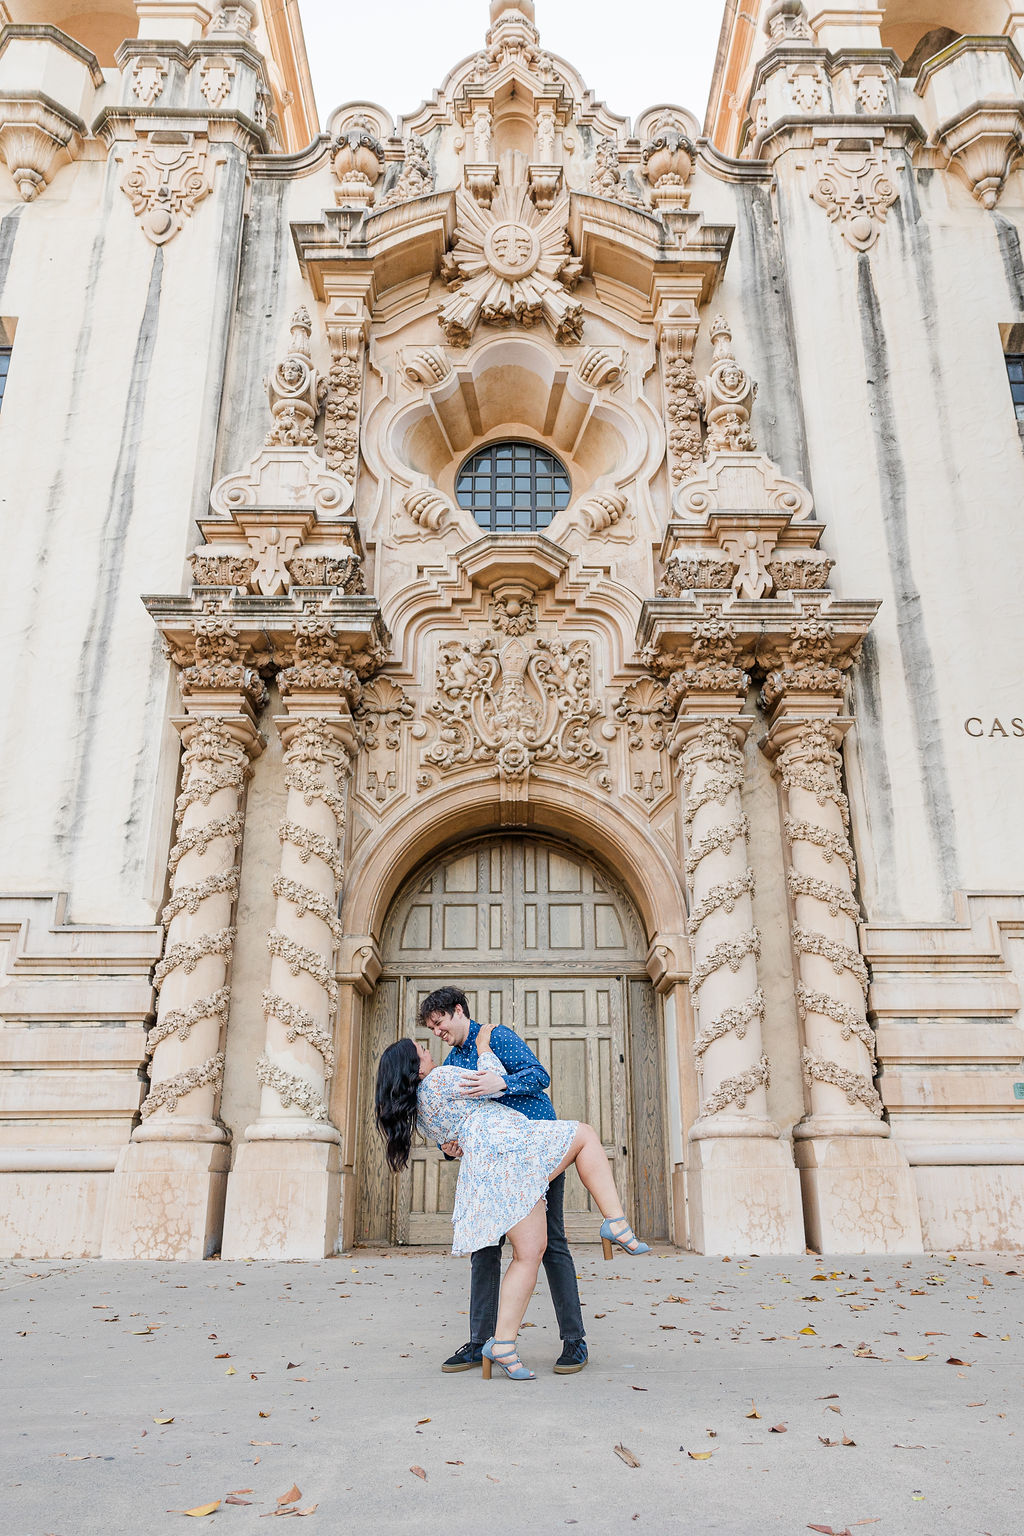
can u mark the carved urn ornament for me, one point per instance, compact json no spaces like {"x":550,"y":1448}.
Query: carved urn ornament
{"x":667,"y":161}
{"x":357,"y":158}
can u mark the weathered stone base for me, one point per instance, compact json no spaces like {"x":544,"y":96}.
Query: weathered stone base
{"x":744,"y":1197}
{"x":53,"y":1215}
{"x":166,"y":1200}
{"x":859,"y":1195}
{"x":283,"y":1201}
{"x":970,"y":1207}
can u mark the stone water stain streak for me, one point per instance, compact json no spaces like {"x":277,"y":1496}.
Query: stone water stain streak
{"x":776,"y":362}
{"x":1008,"y":236}
{"x":232,"y":186}
{"x":922,"y":689}
{"x":96,"y":649}
{"x":259,"y":303}
{"x":877,"y":798}
{"x":8,"y":234}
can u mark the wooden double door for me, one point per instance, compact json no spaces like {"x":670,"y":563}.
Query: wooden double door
{"x":543,"y":941}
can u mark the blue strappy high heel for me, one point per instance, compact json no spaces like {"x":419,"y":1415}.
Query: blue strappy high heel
{"x":518,"y":1372}
{"x":621,"y":1239}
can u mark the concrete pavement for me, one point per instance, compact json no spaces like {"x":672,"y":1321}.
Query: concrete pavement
{"x":323,"y":1378}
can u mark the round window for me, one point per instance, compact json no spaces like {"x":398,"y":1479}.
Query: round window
{"x":513,"y":487}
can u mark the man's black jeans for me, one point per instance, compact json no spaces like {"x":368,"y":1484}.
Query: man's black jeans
{"x":559,"y":1267}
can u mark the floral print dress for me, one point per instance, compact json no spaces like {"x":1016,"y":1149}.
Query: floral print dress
{"x":507,"y":1159}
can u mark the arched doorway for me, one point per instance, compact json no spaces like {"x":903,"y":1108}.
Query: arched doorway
{"x":542,"y":939}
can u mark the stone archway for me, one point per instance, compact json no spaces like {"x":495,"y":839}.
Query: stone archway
{"x":542,"y":939}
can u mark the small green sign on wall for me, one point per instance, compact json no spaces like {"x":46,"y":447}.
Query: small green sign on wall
{"x":1018,"y":1090}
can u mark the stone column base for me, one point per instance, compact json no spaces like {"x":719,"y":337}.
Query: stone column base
{"x":743,"y":1196}
{"x":284,"y":1201}
{"x":166,"y":1200}
{"x":859,"y":1195}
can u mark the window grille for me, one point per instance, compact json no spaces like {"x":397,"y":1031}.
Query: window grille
{"x":1015,"y":373}
{"x":513,"y":487}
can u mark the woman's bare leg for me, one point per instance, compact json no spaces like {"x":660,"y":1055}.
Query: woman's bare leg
{"x":594,"y":1169}
{"x":529,"y":1238}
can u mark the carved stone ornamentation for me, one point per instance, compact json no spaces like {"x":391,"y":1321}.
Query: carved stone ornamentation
{"x":149,"y":72}
{"x":428,"y":507}
{"x":346,"y":333}
{"x":713,"y":662}
{"x":343,"y":573}
{"x":682,"y":405}
{"x":812,"y":661}
{"x":726,"y":396}
{"x":357,"y":158}
{"x":786,"y":22}
{"x":602,"y":510}
{"x":221,"y":570}
{"x":192,"y":977}
{"x":295,"y":390}
{"x":832,"y":976}
{"x":803,"y":572}
{"x":415,"y":179}
{"x":164,"y":183}
{"x":606,"y":178}
{"x":601,"y":365}
{"x":514,"y":705}
{"x":216,"y":73}
{"x":667,"y":162}
{"x":697,"y":573}
{"x":726,"y":945}
{"x":511,"y":264}
{"x":317,"y":660}
{"x":217,"y":658}
{"x":806,"y":86}
{"x":426,"y":365}
{"x":856,"y":190}
{"x":514,"y":612}
{"x":381,"y":715}
{"x":643,"y":710}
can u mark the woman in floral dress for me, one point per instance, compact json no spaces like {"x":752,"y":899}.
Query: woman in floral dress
{"x":507,"y":1163}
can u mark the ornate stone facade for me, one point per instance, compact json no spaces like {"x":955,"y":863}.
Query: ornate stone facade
{"x":635,"y":746}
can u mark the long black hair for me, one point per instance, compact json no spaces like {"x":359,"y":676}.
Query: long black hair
{"x":398,"y":1078}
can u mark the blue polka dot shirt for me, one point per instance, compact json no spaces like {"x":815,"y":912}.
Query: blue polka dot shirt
{"x":527,"y":1079}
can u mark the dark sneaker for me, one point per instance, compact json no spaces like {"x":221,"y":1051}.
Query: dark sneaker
{"x":464,"y":1359}
{"x":573,"y":1357}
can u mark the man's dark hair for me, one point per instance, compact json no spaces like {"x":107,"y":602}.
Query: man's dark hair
{"x":444,"y":1000}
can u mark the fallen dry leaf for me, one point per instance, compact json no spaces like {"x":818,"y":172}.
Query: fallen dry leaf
{"x":225,"y":1356}
{"x":422,"y":1421}
{"x":231,"y":1499}
{"x":164,"y":1421}
{"x":235,"y":1491}
{"x":292,"y":1496}
{"x":230,"y":1371}
{"x":200,"y":1509}
{"x":418,"y":1472}
{"x":753,"y":1414}
{"x":848,"y":1441}
{"x":917,"y":1357}
{"x":809,"y":1329}
{"x":638,"y":1389}
{"x":954,"y":1361}
{"x":699,"y":1455}
{"x":777,"y":1429}
{"x":622,"y":1453}
{"x":826,"y":1441}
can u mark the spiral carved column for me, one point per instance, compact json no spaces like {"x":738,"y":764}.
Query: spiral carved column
{"x":174,"y":1170}
{"x":743,"y":1187}
{"x":285,"y":1192}
{"x":727,"y":1000}
{"x":858,"y":1190}
{"x":300,"y":1003}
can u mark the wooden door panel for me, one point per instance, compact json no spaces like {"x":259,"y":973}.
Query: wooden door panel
{"x":524,"y":929}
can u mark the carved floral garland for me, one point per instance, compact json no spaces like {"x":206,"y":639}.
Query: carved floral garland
{"x":298,"y":957}
{"x":858,"y":1089}
{"x":735,"y":1090}
{"x":291,"y":1089}
{"x":165,"y":1095}
{"x":724,"y":896}
{"x":189,"y":953}
{"x":731,"y":1019}
{"x":298,"y":1022}
{"x":187,"y":898}
{"x":179,"y":1021}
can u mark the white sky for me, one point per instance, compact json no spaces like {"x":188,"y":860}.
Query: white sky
{"x":396,"y":52}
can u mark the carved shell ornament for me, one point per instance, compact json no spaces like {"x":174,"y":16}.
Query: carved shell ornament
{"x":511,"y":265}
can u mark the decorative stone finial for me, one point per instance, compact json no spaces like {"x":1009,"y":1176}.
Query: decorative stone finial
{"x":499,"y":7}
{"x":786,"y":22}
{"x":726,"y":396}
{"x":295,"y":390}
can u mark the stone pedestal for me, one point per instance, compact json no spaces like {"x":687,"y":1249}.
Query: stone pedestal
{"x":285,"y":1200}
{"x":859,"y":1194}
{"x":167,"y":1200}
{"x":743,"y":1196}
